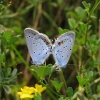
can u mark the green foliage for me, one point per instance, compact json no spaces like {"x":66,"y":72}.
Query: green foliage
{"x":62,"y":31}
{"x":7,"y":75}
{"x":48,"y":16}
{"x":80,"y":13}
{"x":56,"y":84}
{"x":43,"y":71}
{"x":37,"y":96}
{"x":70,"y":91}
{"x":62,"y":98}
{"x":7,"y":79}
{"x":86,"y":5}
{"x":72,"y":23}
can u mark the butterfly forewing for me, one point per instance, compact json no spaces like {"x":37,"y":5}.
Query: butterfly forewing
{"x":39,"y":46}
{"x":62,"y":48}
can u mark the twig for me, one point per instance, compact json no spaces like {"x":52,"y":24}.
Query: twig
{"x":38,"y":15}
{"x":80,"y":64}
{"x":99,"y":48}
{"x":82,"y":89}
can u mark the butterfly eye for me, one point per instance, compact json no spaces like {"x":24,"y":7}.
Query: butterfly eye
{"x":59,"y":43}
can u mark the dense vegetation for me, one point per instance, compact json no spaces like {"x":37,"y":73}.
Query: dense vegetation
{"x":80,"y":80}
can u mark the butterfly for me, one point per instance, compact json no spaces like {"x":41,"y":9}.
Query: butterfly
{"x":40,"y":47}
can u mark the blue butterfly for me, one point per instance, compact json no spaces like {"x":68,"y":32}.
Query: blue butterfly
{"x":40,"y":47}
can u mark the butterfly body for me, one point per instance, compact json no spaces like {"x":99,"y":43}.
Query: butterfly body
{"x":40,"y":47}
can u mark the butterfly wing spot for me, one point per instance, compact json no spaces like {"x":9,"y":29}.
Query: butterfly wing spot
{"x":62,"y":48}
{"x":46,"y":41}
{"x":59,"y":43}
{"x":28,"y":36}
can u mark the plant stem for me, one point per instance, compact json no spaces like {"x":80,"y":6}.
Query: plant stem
{"x":63,"y":78}
{"x":82,"y":89}
{"x":0,"y":91}
{"x":21,"y":58}
{"x":0,"y":71}
{"x":94,"y":7}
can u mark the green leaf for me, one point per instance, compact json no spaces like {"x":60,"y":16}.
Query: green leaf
{"x":62,"y":31}
{"x":95,"y":97}
{"x":56,"y":84}
{"x":1,"y":8}
{"x":70,"y":91}
{"x":72,"y":23}
{"x":11,"y":78}
{"x":82,"y":27}
{"x":13,"y":39}
{"x":50,"y":69}
{"x":4,"y":41}
{"x":82,"y":81}
{"x":89,"y":75}
{"x":92,"y":16}
{"x":62,"y":98}
{"x":37,"y":96}
{"x":80,"y":12}
{"x":98,"y":88}
{"x":59,"y":2}
{"x":75,"y":48}
{"x":8,"y":71}
{"x":2,"y":57}
{"x":7,"y":89}
{"x":86,"y":5}
{"x":82,"y":40}
{"x":8,"y":34}
{"x":1,"y":76}
{"x":14,"y":72}
{"x":43,"y":71}
{"x":13,"y":83}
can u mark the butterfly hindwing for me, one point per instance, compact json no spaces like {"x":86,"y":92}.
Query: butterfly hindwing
{"x":39,"y":45}
{"x":62,"y":48}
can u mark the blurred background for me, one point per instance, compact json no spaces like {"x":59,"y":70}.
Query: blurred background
{"x":46,"y":16}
